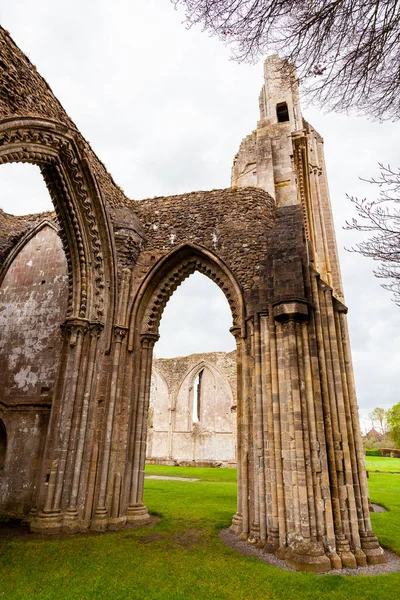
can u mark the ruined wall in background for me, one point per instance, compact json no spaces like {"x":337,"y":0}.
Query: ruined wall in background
{"x":33,"y":303}
{"x":184,"y":429}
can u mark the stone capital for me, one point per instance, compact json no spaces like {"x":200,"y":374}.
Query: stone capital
{"x":95,"y":328}
{"x":120,"y":332}
{"x":291,"y":311}
{"x":73,"y":328}
{"x":236,"y":331}
{"x":147,"y":340}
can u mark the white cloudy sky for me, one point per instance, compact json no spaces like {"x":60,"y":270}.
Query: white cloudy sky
{"x":166,"y":109}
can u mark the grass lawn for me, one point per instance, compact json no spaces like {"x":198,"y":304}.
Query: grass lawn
{"x":382,"y":464}
{"x":181,"y":557}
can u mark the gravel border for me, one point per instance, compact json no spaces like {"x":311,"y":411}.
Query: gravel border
{"x":378,"y":508}
{"x":232,"y":541}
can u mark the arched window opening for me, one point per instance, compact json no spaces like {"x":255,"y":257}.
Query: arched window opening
{"x":197,"y":397}
{"x":3,"y":444}
{"x":196,"y":319}
{"x":191,"y":418}
{"x":23,"y":190}
{"x":282,"y":112}
{"x":33,"y":304}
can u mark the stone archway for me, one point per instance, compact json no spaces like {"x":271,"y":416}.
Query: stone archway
{"x":146,"y":313}
{"x":86,"y":239}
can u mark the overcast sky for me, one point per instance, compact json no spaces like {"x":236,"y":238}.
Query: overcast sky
{"x":165,"y":109}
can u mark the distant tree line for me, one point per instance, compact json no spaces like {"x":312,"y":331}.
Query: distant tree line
{"x":385,"y":430}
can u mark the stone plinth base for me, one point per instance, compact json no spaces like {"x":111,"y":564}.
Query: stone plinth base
{"x":70,"y":521}
{"x":137,"y":513}
{"x":307,"y":556}
{"x":272,"y":543}
{"x":372,"y":550}
{"x":237,"y":524}
{"x":116,"y":523}
{"x":361,"y":559}
{"x":100,"y":520}
{"x":47,"y":522}
{"x":346,"y":556}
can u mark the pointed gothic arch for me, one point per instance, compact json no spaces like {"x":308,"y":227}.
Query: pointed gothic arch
{"x":145,"y":316}
{"x":79,"y":206}
{"x":166,"y":276}
{"x":22,"y":243}
{"x":86,"y":236}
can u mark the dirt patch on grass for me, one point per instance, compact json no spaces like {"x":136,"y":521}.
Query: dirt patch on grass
{"x":188,"y":538}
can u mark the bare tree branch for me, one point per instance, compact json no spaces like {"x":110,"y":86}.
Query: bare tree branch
{"x":381,"y":217}
{"x":347,"y":52}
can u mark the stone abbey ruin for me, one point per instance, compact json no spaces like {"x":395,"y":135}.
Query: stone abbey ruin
{"x":74,"y":399}
{"x":192,"y":411}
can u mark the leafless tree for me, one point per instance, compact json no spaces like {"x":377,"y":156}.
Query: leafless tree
{"x":381,"y":218}
{"x":346,"y":51}
{"x":379,"y":415}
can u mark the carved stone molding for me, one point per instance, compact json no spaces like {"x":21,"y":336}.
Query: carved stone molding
{"x":73,"y":328}
{"x":174,"y":278}
{"x":41,"y":143}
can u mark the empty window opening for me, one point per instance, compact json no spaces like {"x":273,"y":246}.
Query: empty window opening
{"x":23,"y":190}
{"x":282,"y":112}
{"x":197,"y":397}
{"x":3,"y":444}
{"x":183,"y":333}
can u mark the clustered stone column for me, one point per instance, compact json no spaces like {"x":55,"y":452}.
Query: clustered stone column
{"x":68,"y":430}
{"x":302,"y":483}
{"x":136,"y":511}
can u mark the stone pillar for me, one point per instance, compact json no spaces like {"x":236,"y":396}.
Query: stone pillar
{"x":136,"y":511}
{"x":369,"y":542}
{"x":49,"y":518}
{"x":258,"y":415}
{"x":101,"y":517}
{"x":237,"y":521}
{"x":71,"y":517}
{"x":300,"y":545}
{"x":273,"y":471}
{"x":332,"y":432}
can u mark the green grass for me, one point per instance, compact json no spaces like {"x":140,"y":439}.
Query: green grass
{"x":181,"y":557}
{"x":382,"y":464}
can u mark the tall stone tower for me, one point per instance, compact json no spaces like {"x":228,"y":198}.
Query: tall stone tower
{"x":315,"y":482}
{"x":285,"y":157}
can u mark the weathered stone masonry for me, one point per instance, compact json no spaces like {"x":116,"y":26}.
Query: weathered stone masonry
{"x":269,"y":243}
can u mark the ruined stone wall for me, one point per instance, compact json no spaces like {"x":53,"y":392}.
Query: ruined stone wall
{"x":233,"y":224}
{"x":302,"y":490}
{"x":176,"y":433}
{"x":33,"y":302}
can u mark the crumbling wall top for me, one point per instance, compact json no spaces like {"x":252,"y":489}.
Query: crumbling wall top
{"x":24,"y":93}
